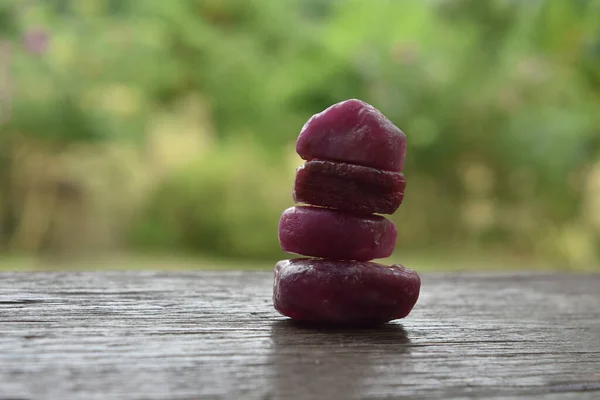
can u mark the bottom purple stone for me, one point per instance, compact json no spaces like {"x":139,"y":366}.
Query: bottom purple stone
{"x":344,"y":292}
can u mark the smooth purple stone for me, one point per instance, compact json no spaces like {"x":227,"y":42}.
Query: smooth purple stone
{"x":348,"y":187}
{"x":344,"y":292}
{"x":327,"y":233}
{"x":353,"y":132}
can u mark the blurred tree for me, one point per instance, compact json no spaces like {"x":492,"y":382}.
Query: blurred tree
{"x":499,"y":100}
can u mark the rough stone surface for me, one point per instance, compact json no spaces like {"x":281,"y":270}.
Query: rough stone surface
{"x":344,"y":292}
{"x":347,"y":187}
{"x":353,"y":132}
{"x":327,"y":233}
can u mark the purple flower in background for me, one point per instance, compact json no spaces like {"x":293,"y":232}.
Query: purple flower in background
{"x":37,"y":41}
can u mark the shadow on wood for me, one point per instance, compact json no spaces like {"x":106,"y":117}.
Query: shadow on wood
{"x":325,"y":362}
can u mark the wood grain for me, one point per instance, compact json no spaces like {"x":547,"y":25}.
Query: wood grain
{"x":149,"y":335}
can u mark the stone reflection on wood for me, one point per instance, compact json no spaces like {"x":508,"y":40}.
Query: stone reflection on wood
{"x":355,"y":157}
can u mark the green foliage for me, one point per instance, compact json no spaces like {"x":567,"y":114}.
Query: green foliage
{"x":226,"y":204}
{"x":506,"y":87}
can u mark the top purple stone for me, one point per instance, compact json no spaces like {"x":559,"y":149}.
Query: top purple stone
{"x":353,"y":132}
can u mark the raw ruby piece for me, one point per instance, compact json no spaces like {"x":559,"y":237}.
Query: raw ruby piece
{"x":344,"y":292}
{"x":327,"y":233}
{"x":348,"y":187}
{"x":353,"y":132}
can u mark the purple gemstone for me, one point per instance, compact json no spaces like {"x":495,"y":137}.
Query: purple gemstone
{"x":353,"y":132}
{"x":327,"y":233}
{"x":344,"y":292}
{"x":348,"y":187}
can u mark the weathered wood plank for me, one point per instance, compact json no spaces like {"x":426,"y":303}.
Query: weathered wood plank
{"x":215,"y":335}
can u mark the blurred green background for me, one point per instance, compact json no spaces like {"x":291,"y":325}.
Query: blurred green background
{"x":161,"y":134}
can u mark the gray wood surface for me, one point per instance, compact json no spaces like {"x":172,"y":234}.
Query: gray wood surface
{"x":149,"y":335}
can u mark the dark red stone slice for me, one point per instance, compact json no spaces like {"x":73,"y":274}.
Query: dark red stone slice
{"x":327,"y":233}
{"x":344,"y":292}
{"x":353,"y":132}
{"x":348,"y":187}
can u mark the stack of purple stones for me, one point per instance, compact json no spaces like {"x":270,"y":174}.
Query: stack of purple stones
{"x":354,"y":158}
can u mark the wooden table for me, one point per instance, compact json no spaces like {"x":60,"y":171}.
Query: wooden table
{"x":155,"y":335}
